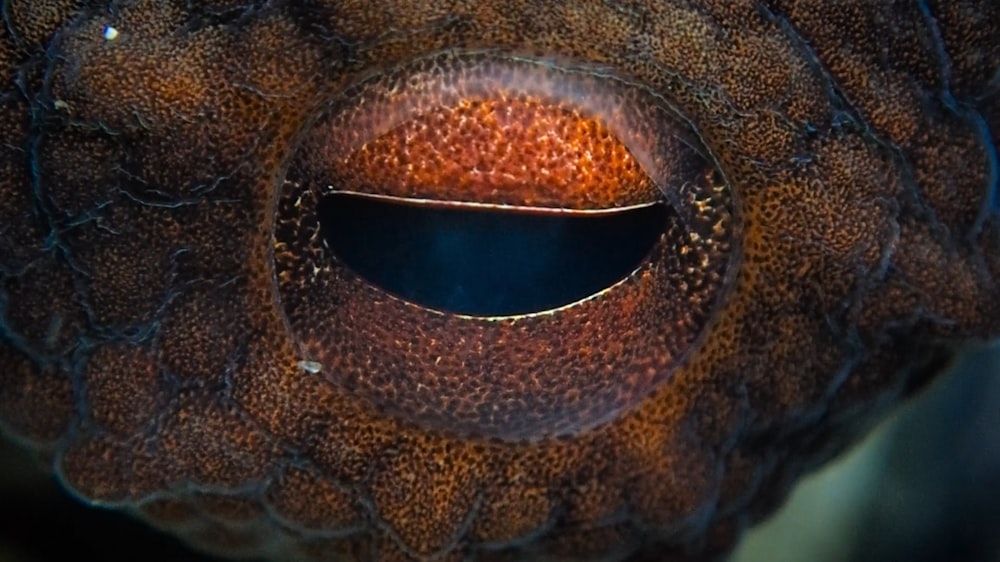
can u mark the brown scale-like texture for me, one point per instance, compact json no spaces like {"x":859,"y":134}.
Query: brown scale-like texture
{"x":307,"y":499}
{"x":159,"y":338}
{"x":122,"y":389}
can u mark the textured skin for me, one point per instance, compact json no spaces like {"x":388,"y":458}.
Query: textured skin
{"x":144,"y":351}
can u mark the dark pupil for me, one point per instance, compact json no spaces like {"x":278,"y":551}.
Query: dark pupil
{"x":486,"y":262}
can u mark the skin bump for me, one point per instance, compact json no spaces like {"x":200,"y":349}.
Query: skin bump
{"x":176,"y":342}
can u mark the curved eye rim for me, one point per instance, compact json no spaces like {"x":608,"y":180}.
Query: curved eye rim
{"x":467,"y":375}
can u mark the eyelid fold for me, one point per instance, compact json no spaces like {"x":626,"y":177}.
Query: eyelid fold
{"x":483,"y":129}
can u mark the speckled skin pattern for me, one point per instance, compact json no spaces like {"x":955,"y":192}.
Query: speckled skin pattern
{"x":147,"y":350}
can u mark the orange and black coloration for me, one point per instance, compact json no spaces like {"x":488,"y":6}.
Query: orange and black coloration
{"x":179,"y":340}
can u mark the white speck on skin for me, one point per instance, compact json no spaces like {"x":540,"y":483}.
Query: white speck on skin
{"x":311,"y":367}
{"x":110,"y":33}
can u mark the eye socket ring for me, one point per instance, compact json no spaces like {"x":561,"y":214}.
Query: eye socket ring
{"x":523,"y":376}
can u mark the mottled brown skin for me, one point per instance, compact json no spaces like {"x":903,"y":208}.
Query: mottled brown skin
{"x":143,"y":352}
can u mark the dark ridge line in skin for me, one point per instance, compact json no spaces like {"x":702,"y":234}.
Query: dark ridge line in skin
{"x":974,"y":117}
{"x":964,"y":109}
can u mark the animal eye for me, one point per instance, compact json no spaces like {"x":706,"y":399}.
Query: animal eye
{"x":565,"y":221}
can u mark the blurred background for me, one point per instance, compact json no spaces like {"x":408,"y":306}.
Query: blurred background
{"x":923,"y":487}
